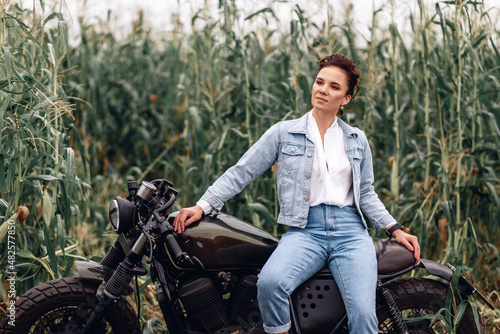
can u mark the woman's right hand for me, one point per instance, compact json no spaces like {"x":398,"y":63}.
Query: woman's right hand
{"x":186,"y":217}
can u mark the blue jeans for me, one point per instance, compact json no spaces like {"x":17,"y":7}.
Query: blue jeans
{"x":335,"y":237}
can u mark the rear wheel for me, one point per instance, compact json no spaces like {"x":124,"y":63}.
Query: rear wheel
{"x":423,"y":298}
{"x":63,"y":306}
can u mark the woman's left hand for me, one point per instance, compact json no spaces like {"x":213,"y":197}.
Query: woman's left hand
{"x":410,"y":241}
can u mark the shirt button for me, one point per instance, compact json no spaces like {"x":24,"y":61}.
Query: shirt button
{"x":309,"y":154}
{"x":293,"y":149}
{"x":308,"y":176}
{"x":301,"y":224}
{"x":306,"y":198}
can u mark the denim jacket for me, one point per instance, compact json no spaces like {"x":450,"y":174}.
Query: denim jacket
{"x":288,"y":144}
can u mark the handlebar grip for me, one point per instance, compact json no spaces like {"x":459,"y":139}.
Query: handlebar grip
{"x":173,"y":247}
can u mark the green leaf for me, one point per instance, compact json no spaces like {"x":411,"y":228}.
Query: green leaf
{"x":3,"y":229}
{"x":26,"y":30}
{"x":262,"y":11}
{"x":48,"y":241}
{"x":27,"y":254}
{"x":43,"y":178}
{"x":50,"y":17}
{"x":260,"y":209}
{"x":70,"y":170}
{"x":61,"y":233}
{"x":462,"y":307}
{"x":47,"y":207}
{"x":52,"y":54}
{"x":3,"y":185}
{"x":493,"y":192}
{"x":64,"y":198}
{"x":69,"y":266}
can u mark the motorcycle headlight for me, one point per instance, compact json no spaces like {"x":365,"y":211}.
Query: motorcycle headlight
{"x":121,"y":214}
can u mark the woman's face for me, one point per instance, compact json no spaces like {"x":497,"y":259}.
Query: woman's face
{"x":329,"y":91}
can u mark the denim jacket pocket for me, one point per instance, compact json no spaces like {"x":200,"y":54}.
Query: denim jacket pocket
{"x":291,"y":155}
{"x":355,"y":153}
{"x":291,"y":166}
{"x":355,"y":156}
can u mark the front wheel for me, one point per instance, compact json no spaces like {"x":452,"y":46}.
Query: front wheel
{"x":63,"y":306}
{"x":421,"y":299}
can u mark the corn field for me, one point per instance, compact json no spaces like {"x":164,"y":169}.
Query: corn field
{"x":78,"y":121}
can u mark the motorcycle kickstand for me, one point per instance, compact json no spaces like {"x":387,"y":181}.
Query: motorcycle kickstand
{"x":394,"y":313}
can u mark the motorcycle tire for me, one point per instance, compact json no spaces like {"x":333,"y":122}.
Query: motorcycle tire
{"x":62,"y":306}
{"x":417,"y":297}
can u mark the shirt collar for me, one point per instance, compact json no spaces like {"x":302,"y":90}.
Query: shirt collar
{"x":302,"y":122}
{"x":311,"y":120}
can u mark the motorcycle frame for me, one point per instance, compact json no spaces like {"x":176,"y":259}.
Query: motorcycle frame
{"x":172,"y":311}
{"x":170,"y":263}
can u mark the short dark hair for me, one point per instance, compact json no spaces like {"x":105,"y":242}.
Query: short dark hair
{"x":347,"y":65}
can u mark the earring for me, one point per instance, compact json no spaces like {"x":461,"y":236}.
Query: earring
{"x":341,"y":110}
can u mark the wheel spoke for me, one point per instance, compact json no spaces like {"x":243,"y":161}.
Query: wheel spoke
{"x":64,"y":320}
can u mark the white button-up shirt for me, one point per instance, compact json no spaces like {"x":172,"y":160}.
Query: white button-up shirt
{"x":331,"y":179}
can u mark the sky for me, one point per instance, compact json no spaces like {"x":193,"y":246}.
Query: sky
{"x":161,"y":14}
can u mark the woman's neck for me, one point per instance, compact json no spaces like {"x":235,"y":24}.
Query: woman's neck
{"x":323,"y":119}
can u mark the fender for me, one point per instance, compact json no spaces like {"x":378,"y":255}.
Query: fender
{"x":96,"y":272}
{"x":437,"y":269}
{"x":93,"y":271}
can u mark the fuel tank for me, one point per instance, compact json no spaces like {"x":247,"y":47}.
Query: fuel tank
{"x":226,"y":242}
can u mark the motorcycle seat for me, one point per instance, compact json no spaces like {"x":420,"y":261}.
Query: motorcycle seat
{"x":392,"y":256}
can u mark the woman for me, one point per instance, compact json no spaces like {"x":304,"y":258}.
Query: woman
{"x":325,"y":176}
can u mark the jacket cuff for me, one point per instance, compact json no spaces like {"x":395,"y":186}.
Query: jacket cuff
{"x":212,"y":200}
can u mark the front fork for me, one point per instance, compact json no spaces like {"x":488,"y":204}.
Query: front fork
{"x":394,"y":313}
{"x":117,"y":283}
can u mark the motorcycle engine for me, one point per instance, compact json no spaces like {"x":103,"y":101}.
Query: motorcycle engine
{"x":244,"y":308}
{"x":203,"y":302}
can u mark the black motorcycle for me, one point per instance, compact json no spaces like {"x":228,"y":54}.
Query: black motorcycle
{"x":206,"y":281}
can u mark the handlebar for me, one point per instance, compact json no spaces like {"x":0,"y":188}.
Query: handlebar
{"x":163,"y":193}
{"x":167,"y":230}
{"x":167,"y":205}
{"x":174,"y":248}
